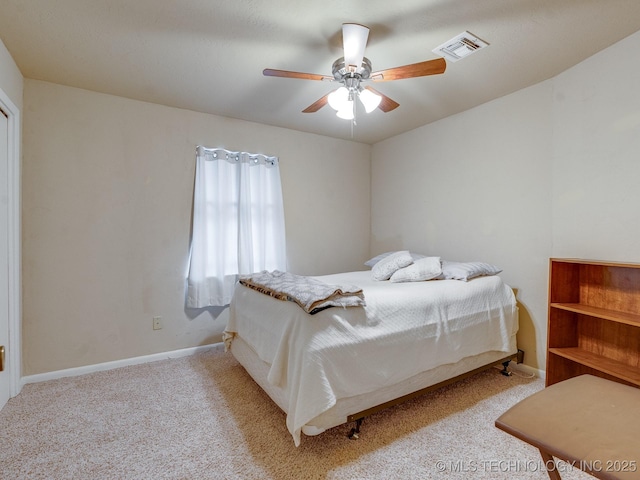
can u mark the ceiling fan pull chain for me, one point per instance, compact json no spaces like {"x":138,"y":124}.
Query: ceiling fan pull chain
{"x":353,"y":122}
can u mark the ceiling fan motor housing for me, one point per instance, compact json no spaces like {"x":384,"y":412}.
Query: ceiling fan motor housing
{"x":341,"y":71}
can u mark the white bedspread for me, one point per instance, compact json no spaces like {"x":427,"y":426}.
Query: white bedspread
{"x":405,"y":328}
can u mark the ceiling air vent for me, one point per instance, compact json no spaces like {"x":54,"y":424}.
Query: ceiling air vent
{"x":460,"y":46}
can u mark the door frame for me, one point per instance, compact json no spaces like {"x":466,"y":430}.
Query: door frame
{"x":14,"y":244}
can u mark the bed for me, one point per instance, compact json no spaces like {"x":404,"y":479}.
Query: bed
{"x":342,"y":364}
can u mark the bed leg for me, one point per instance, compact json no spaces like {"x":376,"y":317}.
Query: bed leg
{"x":354,"y":434}
{"x":505,"y":371}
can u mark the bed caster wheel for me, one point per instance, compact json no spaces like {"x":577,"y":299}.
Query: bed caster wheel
{"x":505,"y":369}
{"x":354,"y":434}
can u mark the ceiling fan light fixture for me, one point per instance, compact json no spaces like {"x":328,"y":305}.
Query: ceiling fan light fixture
{"x":354,"y":39}
{"x":338,"y":98}
{"x":369,"y":99}
{"x":346,"y":112}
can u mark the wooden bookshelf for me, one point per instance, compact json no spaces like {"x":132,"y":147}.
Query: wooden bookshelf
{"x":594,"y":320}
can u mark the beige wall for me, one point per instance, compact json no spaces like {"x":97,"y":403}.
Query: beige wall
{"x":107,"y":195}
{"x":596,"y":167}
{"x":551,"y":170}
{"x":475,"y":186}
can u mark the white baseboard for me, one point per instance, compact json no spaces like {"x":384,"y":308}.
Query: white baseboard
{"x":99,"y":367}
{"x":185,"y":352}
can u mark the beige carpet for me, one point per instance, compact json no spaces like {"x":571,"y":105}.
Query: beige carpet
{"x":202,"y":417}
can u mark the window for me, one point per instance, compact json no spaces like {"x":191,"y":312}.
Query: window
{"x":238,"y":223}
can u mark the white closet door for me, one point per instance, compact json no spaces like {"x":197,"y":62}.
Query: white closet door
{"x":4,"y":256}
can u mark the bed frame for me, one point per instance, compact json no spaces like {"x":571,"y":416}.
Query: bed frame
{"x":360,"y":416}
{"x":409,"y":389}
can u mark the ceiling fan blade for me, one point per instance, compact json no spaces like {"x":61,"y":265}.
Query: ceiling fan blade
{"x":430,"y":67}
{"x":386,"y":104}
{"x":317,"y":105}
{"x":354,"y":41}
{"x":270,"y":72}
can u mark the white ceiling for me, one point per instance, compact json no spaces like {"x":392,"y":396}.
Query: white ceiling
{"x":208,"y":55}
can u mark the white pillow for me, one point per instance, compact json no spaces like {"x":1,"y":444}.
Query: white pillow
{"x":423,"y":269}
{"x":371,"y":262}
{"x":390,"y":264}
{"x":467,"y":270}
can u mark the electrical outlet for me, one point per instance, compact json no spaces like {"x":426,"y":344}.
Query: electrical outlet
{"x":157,"y":323}
{"x":520,"y":356}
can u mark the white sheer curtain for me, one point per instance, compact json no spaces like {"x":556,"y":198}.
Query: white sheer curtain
{"x":238,"y":223}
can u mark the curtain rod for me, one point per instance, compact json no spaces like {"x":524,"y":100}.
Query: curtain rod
{"x":230,"y":154}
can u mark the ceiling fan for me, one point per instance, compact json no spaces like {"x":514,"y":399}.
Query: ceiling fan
{"x":352,"y":70}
